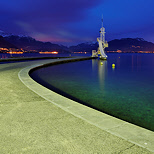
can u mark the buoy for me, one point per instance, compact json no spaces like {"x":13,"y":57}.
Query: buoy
{"x":113,"y":65}
{"x":101,"y":63}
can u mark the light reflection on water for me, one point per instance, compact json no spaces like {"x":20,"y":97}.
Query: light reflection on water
{"x":102,"y":70}
{"x":125,"y":91}
{"x":7,"y":55}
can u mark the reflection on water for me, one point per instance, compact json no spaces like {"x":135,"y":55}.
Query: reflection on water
{"x":102,"y":71}
{"x":125,"y":91}
{"x":7,"y":55}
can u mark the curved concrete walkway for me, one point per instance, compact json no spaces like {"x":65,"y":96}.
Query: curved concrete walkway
{"x":45,"y":122}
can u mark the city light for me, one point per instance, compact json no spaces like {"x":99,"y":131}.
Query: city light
{"x":47,"y":52}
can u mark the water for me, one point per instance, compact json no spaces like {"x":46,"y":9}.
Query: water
{"x":6,"y":55}
{"x":125,"y":92}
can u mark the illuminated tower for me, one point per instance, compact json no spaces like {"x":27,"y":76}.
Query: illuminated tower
{"x":102,"y":44}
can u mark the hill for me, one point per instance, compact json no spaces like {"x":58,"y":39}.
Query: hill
{"x":124,"y":44}
{"x":130,"y":44}
{"x":29,"y":43}
{"x":84,"y":47}
{"x":5,"y":44}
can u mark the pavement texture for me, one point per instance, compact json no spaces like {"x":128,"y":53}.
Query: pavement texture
{"x":36,"y":120}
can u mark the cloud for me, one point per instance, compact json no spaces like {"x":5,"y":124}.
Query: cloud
{"x":48,"y":17}
{"x":59,"y":10}
{"x":76,"y":20}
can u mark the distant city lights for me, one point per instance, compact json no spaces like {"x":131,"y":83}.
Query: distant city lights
{"x":47,"y":52}
{"x":21,"y":51}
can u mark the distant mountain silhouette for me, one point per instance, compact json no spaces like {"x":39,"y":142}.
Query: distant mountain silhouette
{"x":84,"y":47}
{"x":5,"y":44}
{"x":29,"y":43}
{"x":124,"y":44}
{"x":130,"y":44}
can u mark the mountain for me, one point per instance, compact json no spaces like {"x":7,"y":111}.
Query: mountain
{"x":5,"y":44}
{"x":124,"y":44}
{"x":84,"y":47}
{"x":130,"y":44}
{"x":29,"y":43}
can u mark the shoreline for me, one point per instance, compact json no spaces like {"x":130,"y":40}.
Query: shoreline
{"x":118,"y":122}
{"x":48,"y":122}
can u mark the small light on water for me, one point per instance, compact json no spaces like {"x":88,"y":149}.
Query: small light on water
{"x":113,"y":65}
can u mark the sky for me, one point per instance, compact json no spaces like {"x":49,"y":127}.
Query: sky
{"x":69,"y":22}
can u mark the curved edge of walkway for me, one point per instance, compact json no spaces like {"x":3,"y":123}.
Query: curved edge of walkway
{"x":132,"y":133}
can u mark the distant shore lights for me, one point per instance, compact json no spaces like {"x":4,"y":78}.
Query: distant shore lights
{"x":47,"y":52}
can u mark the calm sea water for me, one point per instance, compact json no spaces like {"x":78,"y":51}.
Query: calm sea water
{"x":125,"y":92}
{"x":6,"y":55}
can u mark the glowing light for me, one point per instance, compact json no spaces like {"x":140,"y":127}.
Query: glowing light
{"x":119,"y":51}
{"x":15,"y":52}
{"x":4,"y":49}
{"x":47,"y":52}
{"x":81,"y":52}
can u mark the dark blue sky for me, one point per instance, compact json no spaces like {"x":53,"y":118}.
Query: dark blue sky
{"x":74,"y":21}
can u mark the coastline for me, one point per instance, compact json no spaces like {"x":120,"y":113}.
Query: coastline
{"x":74,"y":119}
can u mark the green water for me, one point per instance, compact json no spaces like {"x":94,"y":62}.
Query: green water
{"x":125,"y":92}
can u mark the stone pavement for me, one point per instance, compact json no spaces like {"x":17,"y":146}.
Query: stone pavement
{"x":34,"y":119}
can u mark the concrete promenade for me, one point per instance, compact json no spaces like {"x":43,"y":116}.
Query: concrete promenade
{"x":35,"y":120}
